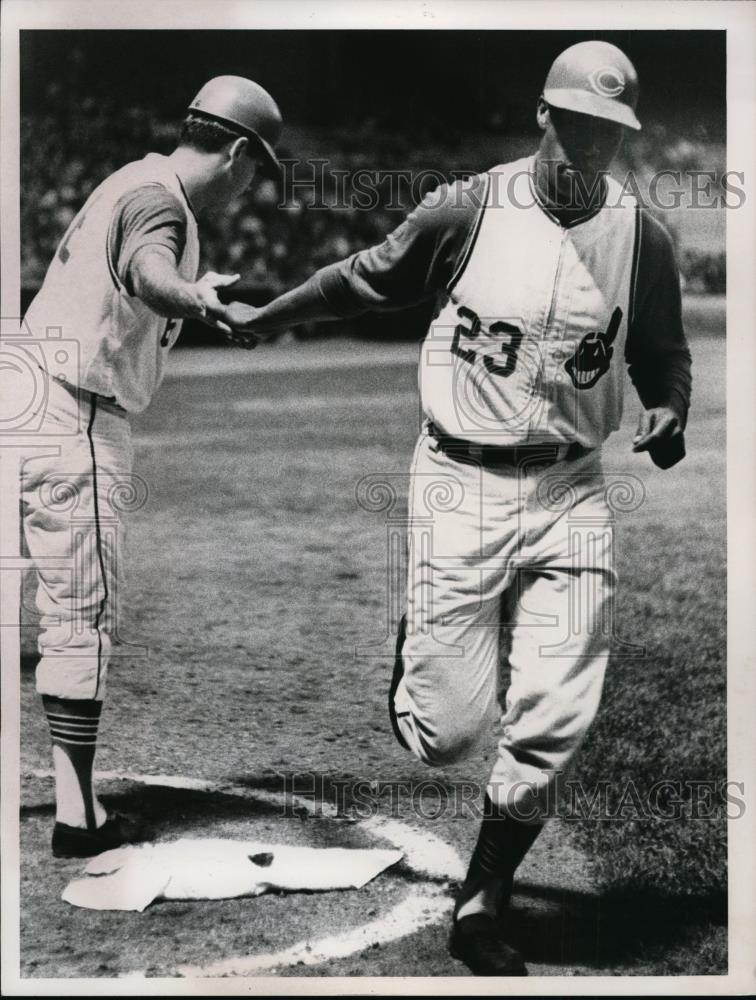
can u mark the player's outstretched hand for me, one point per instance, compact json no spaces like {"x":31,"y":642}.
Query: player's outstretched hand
{"x":213,"y":309}
{"x":660,"y":433}
{"x":234,"y":318}
{"x":240,"y":318}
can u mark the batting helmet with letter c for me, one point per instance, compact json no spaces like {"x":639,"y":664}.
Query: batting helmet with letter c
{"x":246,"y":107}
{"x":594,"y":78}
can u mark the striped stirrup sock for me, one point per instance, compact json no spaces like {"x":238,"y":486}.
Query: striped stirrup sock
{"x":73,"y":728}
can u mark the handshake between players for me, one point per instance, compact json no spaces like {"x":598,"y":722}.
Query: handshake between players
{"x":601,"y":286}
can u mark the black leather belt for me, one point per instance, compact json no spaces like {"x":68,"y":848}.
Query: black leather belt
{"x":494,"y":454}
{"x":109,"y":400}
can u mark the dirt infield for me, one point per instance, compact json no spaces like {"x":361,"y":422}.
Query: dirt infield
{"x":254,"y":576}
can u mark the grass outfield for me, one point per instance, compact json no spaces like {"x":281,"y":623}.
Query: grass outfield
{"x":253,"y":577}
{"x":663,"y":716}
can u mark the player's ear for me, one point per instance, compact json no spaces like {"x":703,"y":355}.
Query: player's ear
{"x":238,"y":149}
{"x":543,"y":117}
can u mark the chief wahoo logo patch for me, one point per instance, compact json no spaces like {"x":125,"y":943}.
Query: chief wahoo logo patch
{"x":594,"y":354}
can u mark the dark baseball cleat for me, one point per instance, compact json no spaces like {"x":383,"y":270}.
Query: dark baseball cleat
{"x":77,"y":842}
{"x":395,"y":678}
{"x":478,"y":940}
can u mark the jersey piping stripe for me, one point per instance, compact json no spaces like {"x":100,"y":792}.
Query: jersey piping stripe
{"x":186,"y":198}
{"x":108,"y":256}
{"x":634,"y":269}
{"x":98,"y":541}
{"x":570,"y":223}
{"x":464,"y":258}
{"x":109,"y":259}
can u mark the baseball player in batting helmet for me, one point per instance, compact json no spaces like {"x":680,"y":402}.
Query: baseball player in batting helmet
{"x":122,"y":280}
{"x":548,"y":280}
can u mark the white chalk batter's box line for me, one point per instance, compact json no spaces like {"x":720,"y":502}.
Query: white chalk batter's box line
{"x":426,"y":904}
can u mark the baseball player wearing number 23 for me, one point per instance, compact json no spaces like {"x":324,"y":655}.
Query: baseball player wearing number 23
{"x":545,"y":275}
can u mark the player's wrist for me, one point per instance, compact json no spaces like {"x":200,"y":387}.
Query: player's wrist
{"x":199,"y":302}
{"x":678,"y":405}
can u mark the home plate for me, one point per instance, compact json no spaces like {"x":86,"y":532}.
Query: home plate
{"x":192,"y":863}
{"x":132,"y":877}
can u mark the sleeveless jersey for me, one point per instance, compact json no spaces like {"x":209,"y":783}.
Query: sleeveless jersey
{"x":528,"y":340}
{"x":122,"y":343}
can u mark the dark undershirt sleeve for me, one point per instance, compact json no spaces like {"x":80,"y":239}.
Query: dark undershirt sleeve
{"x":414,"y":262}
{"x":657,"y":352}
{"x":148,"y":215}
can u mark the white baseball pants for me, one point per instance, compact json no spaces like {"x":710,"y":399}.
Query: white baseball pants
{"x":70,"y":483}
{"x":520,"y":555}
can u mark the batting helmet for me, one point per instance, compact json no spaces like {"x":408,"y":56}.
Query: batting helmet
{"x":243,"y":105}
{"x":594,"y":78}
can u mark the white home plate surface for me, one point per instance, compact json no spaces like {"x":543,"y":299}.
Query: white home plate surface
{"x":423,"y":904}
{"x":410,"y":904}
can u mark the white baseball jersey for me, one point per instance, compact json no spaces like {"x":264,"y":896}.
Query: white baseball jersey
{"x":528,"y":346}
{"x":122,"y":342}
{"x":535,"y":316}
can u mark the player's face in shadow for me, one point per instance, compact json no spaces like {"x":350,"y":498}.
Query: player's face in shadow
{"x":589,"y":144}
{"x":577,"y":148}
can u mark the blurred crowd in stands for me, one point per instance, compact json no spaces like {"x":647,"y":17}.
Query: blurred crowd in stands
{"x":277,"y":235}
